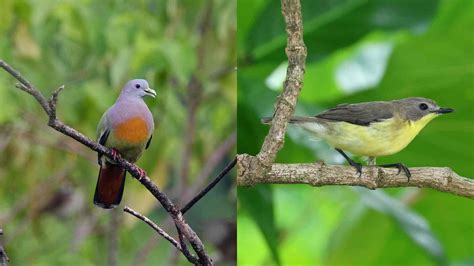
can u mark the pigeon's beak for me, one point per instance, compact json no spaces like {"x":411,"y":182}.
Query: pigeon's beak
{"x":444,"y":110}
{"x":151,"y":92}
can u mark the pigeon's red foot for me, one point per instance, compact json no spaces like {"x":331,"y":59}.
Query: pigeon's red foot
{"x":115,"y":154}
{"x":142,"y":173}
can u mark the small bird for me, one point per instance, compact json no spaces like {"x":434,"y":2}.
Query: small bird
{"x":372,"y":129}
{"x":126,"y":128}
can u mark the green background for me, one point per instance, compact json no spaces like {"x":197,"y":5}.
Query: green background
{"x":47,"y":180}
{"x":359,"y":51}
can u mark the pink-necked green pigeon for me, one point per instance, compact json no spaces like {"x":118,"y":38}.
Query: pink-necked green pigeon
{"x":126,"y":128}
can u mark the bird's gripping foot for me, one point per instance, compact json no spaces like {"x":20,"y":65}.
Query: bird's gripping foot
{"x":142,"y":173}
{"x":400,"y":167}
{"x":115,"y":154}
{"x":353,"y":163}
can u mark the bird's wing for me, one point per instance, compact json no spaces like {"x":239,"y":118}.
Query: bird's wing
{"x":148,"y":143}
{"x":103,"y":131}
{"x":361,"y":114}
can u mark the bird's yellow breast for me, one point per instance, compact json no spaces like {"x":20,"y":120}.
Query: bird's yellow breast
{"x":378,"y":139}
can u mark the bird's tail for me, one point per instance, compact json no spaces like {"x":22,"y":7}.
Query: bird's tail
{"x":110,"y":184}
{"x":309,"y":123}
{"x":293,"y":119}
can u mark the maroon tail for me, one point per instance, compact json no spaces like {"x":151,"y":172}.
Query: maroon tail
{"x":110,"y":184}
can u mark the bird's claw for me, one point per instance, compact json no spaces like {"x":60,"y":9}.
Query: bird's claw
{"x":401,"y":167}
{"x":358,"y":167}
{"x":141,"y":173}
{"x":354,"y":164}
{"x":405,"y":170}
{"x":115,"y":154}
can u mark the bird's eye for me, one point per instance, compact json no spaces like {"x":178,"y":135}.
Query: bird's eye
{"x":137,"y":86}
{"x":423,"y":106}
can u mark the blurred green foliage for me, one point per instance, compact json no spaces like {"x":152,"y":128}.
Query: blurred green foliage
{"x":93,"y":47}
{"x":359,"y":51}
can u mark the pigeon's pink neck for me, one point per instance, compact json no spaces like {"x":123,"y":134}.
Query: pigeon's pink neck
{"x":127,"y":98}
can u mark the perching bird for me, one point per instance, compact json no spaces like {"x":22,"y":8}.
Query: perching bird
{"x":372,"y":129}
{"x":126,"y":128}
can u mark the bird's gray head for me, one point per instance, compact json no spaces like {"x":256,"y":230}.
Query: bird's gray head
{"x":137,"y":88}
{"x":416,"y":108}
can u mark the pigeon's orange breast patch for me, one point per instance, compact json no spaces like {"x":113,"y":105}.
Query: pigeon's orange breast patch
{"x":134,"y":130}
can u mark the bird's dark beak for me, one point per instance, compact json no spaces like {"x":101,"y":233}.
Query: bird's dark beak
{"x":444,"y":110}
{"x":151,"y":92}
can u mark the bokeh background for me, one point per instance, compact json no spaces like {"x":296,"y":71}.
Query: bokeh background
{"x":359,"y":51}
{"x":187,"y":51}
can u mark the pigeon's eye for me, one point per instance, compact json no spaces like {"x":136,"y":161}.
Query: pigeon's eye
{"x":423,"y":106}
{"x":137,"y":86}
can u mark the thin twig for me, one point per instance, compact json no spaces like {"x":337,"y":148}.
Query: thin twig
{"x":178,"y":219}
{"x":134,"y":170}
{"x":211,"y":163}
{"x":54,"y":100}
{"x":26,"y":86}
{"x":153,"y":225}
{"x":210,"y":186}
{"x":3,"y":255}
{"x":184,"y":247}
{"x":319,"y":174}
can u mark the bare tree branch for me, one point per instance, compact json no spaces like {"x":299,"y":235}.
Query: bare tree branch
{"x":3,"y":255}
{"x":286,"y":102}
{"x":49,"y":107}
{"x":182,"y":242}
{"x":319,"y":174}
{"x":187,"y":195}
{"x":161,"y":232}
{"x":210,"y":186}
